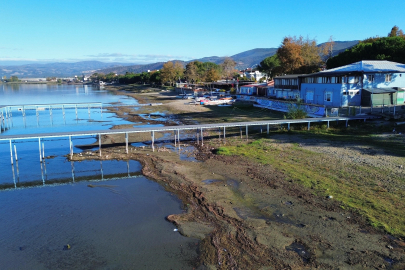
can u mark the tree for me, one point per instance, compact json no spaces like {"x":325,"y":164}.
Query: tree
{"x":228,"y":67}
{"x":327,"y":49}
{"x":299,"y":55}
{"x":191,"y":72}
{"x":212,"y":75}
{"x":155,"y":77}
{"x":396,"y":32}
{"x":270,"y":66}
{"x":13,"y":79}
{"x":178,"y":70}
{"x":289,"y":54}
{"x":167,"y":72}
{"x":171,"y":72}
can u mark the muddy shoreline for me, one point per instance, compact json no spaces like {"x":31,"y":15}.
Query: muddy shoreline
{"x":252,"y":216}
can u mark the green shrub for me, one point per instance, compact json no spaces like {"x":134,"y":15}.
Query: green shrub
{"x":296,"y":111}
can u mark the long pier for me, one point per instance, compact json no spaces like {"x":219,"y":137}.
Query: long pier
{"x":176,"y":129}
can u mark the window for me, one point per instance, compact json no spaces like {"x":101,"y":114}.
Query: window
{"x":328,"y":96}
{"x":344,"y":79}
{"x":370,"y":78}
{"x":325,"y":79}
{"x":387,"y":77}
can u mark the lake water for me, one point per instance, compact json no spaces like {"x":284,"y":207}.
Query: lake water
{"x":116,"y":223}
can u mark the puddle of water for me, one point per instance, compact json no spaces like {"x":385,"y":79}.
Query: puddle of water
{"x":186,"y":153}
{"x":154,"y":116}
{"x":300,"y":250}
{"x":232,"y":183}
{"x":211,"y":181}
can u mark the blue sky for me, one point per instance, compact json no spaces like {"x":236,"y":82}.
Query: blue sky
{"x":140,"y":31}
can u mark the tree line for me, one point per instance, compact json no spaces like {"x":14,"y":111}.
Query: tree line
{"x":174,"y":71}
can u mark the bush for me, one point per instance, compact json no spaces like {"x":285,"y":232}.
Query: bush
{"x":296,"y":111}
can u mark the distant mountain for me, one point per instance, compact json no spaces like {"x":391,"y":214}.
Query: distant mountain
{"x":55,"y":69}
{"x":134,"y":68}
{"x":245,"y":59}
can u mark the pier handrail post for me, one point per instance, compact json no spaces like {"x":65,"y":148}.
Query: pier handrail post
{"x":202,"y":137}
{"x":15,"y":151}
{"x":99,"y":143}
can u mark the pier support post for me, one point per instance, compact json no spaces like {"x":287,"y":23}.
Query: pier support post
{"x":11,"y":154}
{"x":328,"y":124}
{"x":40,"y":154}
{"x":394,"y":110}
{"x":268,"y":129}
{"x":43,"y":151}
{"x":288,"y":126}
{"x":247,"y":138}
{"x":126,"y":142}
{"x":197,"y":137}
{"x":70,"y":147}
{"x":309,"y":125}
{"x":224,"y":133}
{"x":347,"y":122}
{"x":153,"y":141}
{"x":202,"y":137}
{"x":99,"y":143}
{"x":178,"y":136}
{"x":76,"y":111}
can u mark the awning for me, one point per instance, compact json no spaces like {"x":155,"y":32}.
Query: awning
{"x":380,"y":90}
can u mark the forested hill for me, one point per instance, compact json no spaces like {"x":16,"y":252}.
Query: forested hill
{"x":384,"y":48}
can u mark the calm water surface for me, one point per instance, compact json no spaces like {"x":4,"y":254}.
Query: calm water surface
{"x":117,"y":224}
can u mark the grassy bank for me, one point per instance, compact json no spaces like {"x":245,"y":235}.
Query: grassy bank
{"x":376,"y":192}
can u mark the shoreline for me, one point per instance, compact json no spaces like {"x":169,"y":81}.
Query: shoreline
{"x":248,"y":215}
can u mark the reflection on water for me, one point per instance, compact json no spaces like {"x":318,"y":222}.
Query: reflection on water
{"x":106,"y":212}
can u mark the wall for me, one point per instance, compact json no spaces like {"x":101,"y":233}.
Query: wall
{"x":339,"y":99}
{"x":283,"y":106}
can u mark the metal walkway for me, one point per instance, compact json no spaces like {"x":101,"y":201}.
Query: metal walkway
{"x":267,"y":123}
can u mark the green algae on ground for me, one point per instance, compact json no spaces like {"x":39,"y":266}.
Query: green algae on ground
{"x":355,"y":185}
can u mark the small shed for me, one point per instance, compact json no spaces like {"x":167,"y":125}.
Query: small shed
{"x":379,"y":96}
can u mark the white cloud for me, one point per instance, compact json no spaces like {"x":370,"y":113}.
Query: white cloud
{"x":136,"y":58}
